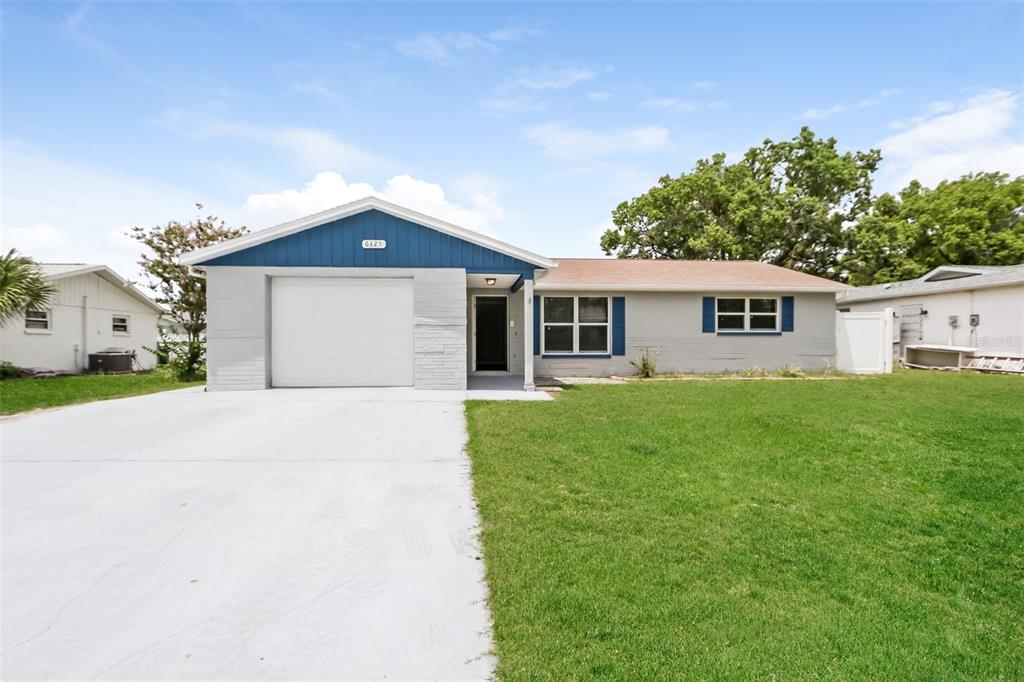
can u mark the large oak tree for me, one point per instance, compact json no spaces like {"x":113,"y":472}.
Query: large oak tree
{"x":976,"y":220}
{"x":786,"y":203}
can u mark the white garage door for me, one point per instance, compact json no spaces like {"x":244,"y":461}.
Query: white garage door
{"x":341,"y":332}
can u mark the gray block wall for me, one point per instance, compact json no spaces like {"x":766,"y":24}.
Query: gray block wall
{"x":670,"y":325}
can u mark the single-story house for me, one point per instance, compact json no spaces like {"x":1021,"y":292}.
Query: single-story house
{"x":94,"y":310}
{"x":373,"y":294}
{"x":977,"y":306}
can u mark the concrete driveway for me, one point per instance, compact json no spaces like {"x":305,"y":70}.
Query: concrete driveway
{"x":316,"y":534}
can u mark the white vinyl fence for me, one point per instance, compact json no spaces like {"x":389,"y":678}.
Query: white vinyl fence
{"x":864,"y":342}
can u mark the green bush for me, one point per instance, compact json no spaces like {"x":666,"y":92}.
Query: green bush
{"x":9,"y":371}
{"x":646,"y":364}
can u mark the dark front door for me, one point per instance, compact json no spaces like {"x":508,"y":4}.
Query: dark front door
{"x":491,"y":334}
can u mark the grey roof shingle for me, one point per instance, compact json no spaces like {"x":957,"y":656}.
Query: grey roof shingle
{"x":987,"y":276}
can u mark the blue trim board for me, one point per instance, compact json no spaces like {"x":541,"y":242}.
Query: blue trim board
{"x":554,"y":356}
{"x":749,"y":333}
{"x":338,"y":244}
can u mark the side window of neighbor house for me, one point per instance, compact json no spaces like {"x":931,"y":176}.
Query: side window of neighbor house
{"x":120,"y":324}
{"x":37,"y":320}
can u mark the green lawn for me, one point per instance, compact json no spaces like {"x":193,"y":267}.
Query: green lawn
{"x":869,"y":528}
{"x":19,"y":395}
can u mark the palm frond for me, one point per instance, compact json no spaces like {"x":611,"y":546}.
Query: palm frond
{"x":22,"y":286}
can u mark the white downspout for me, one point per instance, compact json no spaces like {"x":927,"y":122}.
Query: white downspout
{"x":85,"y":333}
{"x":528,"y":335}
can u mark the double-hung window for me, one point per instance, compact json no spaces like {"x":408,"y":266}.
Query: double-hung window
{"x":575,"y":325}
{"x":37,"y":321}
{"x":747,"y":314}
{"x":120,"y":325}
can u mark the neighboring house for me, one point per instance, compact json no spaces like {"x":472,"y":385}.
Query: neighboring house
{"x":93,"y":310}
{"x":955,"y":305}
{"x":372,"y":294}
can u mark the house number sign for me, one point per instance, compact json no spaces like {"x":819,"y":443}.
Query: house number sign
{"x":374,"y":243}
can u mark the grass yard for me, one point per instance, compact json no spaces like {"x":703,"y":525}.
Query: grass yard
{"x":869,"y":528}
{"x":20,"y":395}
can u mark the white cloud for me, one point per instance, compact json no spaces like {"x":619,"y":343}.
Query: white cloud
{"x":509,"y":103}
{"x":563,"y":142}
{"x":814,"y":113}
{"x":553,"y":78}
{"x":671,"y":104}
{"x":449,"y":48}
{"x":58,"y":211}
{"x":703,"y":86}
{"x":818,"y":113}
{"x":981,"y":134}
{"x":329,"y":189}
{"x":599,"y":96}
{"x":314,"y":87}
{"x":313,"y":148}
{"x":676,"y":105}
{"x":515,"y":94}
{"x":37,"y":241}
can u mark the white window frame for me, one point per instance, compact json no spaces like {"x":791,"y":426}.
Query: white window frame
{"x":746,"y":314}
{"x":49,"y":321}
{"x":575,"y":324}
{"x":127,"y":324}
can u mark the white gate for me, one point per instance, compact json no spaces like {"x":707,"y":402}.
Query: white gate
{"x":864,"y":342}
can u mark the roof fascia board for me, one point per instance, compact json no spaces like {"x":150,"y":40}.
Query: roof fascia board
{"x":350,"y":209}
{"x":541,"y":286}
{"x":964,"y":286}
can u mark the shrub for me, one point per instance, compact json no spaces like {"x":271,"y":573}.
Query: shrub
{"x":646,"y":364}
{"x":791,"y":372}
{"x":8,"y":371}
{"x":753,"y":371}
{"x":186,"y":360}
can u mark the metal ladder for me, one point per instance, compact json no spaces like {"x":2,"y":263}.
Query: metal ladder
{"x":990,"y":362}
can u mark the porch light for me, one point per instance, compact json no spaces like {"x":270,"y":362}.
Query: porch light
{"x":491,"y":281}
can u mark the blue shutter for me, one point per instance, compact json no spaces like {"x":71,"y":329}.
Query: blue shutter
{"x":709,"y":315}
{"x":787,"y":313}
{"x":536,"y":325}
{"x":618,"y":325}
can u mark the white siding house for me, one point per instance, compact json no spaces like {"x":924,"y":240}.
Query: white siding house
{"x":94,"y":310}
{"x":969,"y":306}
{"x":373,"y":294}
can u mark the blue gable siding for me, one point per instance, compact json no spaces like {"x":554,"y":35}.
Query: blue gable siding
{"x":338,"y":244}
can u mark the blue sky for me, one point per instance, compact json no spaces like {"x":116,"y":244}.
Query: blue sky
{"x":529,"y":122}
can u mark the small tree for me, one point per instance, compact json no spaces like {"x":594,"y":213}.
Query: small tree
{"x":181,"y":291}
{"x":23,"y":286}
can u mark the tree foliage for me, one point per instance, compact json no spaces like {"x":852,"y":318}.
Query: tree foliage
{"x":177,"y":288}
{"x":785,"y":203}
{"x":22,"y":286}
{"x":976,"y":220}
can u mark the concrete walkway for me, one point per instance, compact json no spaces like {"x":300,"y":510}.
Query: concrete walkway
{"x":317,"y":534}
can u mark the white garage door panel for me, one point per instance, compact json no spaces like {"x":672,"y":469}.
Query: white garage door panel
{"x":341,"y":332}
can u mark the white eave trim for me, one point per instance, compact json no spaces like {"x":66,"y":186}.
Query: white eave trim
{"x":350,"y":209}
{"x":540,"y":286}
{"x":949,"y":288}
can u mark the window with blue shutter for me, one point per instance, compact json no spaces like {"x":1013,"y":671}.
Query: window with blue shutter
{"x":618,"y":325}
{"x":708,"y":326}
{"x":787,"y":314}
